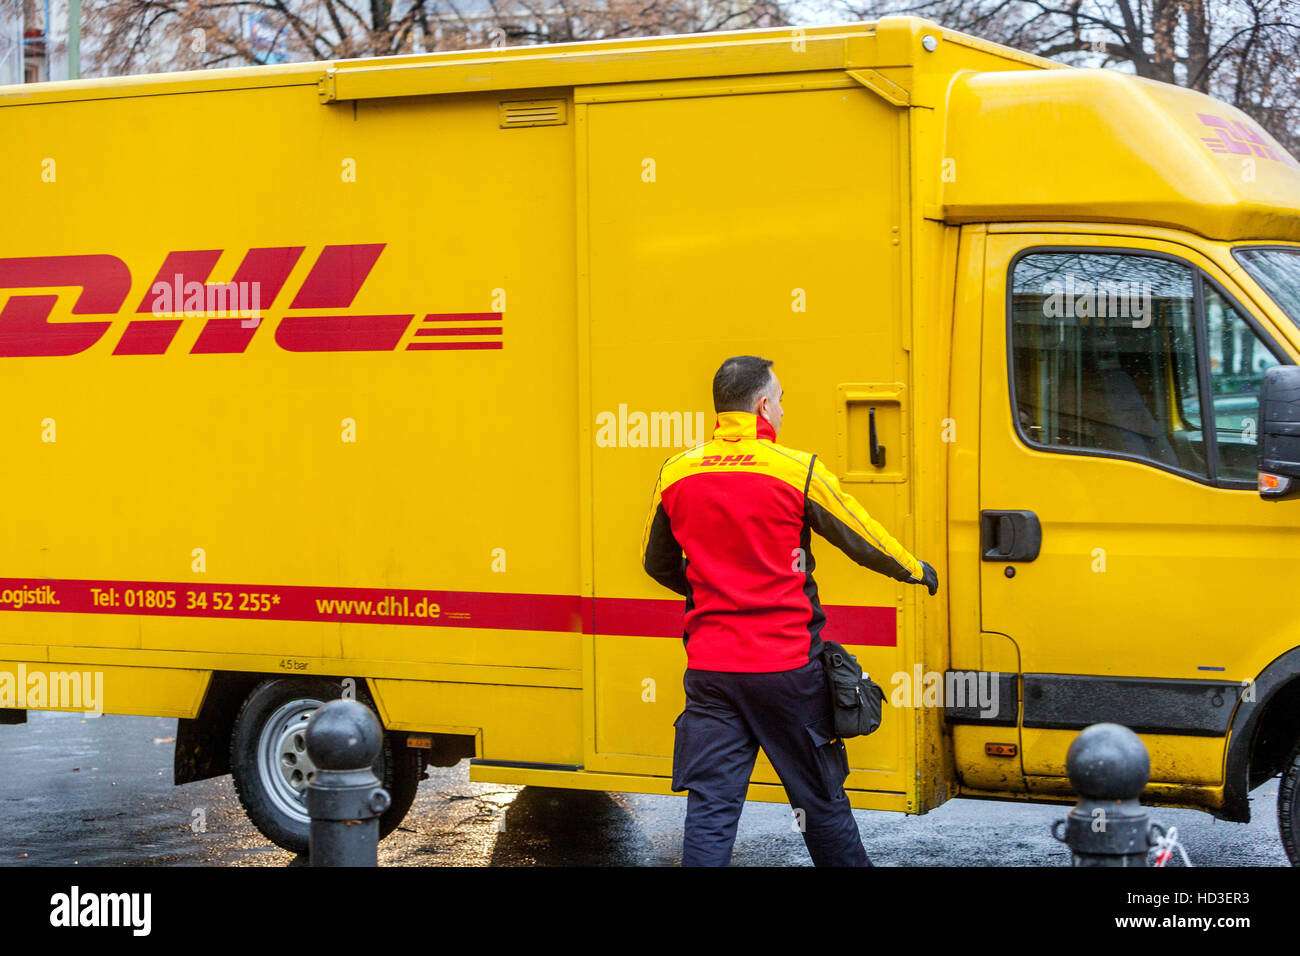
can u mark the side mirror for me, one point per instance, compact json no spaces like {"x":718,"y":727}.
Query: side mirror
{"x":1279,"y":433}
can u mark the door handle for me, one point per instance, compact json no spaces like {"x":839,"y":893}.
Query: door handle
{"x":877,"y":450}
{"x":1010,"y":535}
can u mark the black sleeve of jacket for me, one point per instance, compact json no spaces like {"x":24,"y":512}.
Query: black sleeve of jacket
{"x":840,"y":519}
{"x":662,"y":556}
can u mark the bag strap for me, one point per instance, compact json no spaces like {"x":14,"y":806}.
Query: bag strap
{"x":806,"y":485}
{"x":807,"y":482}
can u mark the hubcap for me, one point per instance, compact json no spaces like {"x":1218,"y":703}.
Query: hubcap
{"x":282,"y":760}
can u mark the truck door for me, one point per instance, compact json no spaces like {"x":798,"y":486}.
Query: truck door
{"x":704,"y":235}
{"x":1124,"y":547}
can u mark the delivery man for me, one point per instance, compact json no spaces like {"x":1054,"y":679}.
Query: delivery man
{"x":729,"y":528}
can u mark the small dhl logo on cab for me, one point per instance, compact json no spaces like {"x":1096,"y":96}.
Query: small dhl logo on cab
{"x":182,"y":287}
{"x":1243,"y":139}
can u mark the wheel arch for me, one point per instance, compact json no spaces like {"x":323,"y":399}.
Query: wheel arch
{"x":1262,"y":734}
{"x":203,"y":741}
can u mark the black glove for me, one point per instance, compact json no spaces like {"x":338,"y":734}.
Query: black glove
{"x":930,"y":578}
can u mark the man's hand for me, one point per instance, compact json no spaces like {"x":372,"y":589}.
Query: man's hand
{"x":929,"y":578}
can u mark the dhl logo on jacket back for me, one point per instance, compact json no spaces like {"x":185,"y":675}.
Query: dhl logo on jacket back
{"x":776,"y":461}
{"x":709,"y":461}
{"x":181,"y":288}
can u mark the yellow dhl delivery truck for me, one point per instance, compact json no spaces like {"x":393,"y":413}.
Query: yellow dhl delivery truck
{"x":356,"y":377}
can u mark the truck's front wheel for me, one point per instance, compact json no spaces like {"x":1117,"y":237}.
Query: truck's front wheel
{"x":269,"y":764}
{"x":1288,"y":806}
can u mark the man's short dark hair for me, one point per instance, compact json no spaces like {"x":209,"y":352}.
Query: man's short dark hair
{"x":739,"y":381}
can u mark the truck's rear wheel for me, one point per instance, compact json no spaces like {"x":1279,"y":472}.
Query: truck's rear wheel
{"x":1288,"y":807}
{"x":268,"y":760}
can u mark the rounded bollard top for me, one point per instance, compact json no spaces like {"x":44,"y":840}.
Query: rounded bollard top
{"x":1108,"y":762}
{"x":343,"y":735}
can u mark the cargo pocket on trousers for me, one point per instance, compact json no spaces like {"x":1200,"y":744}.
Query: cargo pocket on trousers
{"x":832,"y":758}
{"x":679,"y":753}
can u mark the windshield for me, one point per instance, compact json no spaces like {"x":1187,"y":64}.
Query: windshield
{"x":1277,"y":270}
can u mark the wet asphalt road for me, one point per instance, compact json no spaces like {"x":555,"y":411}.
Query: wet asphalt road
{"x":98,"y":791}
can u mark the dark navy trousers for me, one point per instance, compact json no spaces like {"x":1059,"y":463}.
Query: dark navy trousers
{"x":728,"y":716}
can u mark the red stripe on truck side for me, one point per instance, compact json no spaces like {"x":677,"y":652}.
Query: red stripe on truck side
{"x":875,"y":626}
{"x":280,"y":602}
{"x":616,"y":617}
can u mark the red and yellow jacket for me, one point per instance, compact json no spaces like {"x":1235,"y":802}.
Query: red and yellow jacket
{"x":728,"y":529}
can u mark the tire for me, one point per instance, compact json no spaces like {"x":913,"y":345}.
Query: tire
{"x":1288,"y":807}
{"x":269,"y":764}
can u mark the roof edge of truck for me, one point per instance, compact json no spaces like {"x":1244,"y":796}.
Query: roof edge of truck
{"x":1108,"y":146}
{"x":889,"y":42}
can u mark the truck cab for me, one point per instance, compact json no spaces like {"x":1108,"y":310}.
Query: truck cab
{"x":1127,"y":278}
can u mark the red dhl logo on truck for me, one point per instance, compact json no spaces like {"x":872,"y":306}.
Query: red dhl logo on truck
{"x":332,"y":284}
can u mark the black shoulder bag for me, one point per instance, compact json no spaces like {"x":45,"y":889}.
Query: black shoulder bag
{"x":856,"y":700}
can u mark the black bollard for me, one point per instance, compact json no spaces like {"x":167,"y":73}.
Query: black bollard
{"x":1108,"y":768}
{"x":344,"y":798}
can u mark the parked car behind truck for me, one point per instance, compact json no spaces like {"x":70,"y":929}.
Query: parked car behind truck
{"x":353,"y":377}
